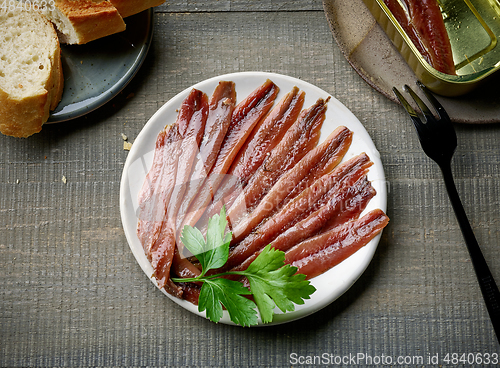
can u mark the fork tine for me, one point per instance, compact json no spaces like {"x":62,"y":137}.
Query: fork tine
{"x":419,"y":126}
{"x":405,"y":103}
{"x":433,"y":100}
{"x":423,"y":107}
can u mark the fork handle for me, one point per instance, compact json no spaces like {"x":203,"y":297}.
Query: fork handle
{"x":487,"y":284}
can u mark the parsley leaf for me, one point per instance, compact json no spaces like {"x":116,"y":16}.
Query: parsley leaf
{"x":272,"y":283}
{"x":212,"y":253}
{"x":219,"y":291}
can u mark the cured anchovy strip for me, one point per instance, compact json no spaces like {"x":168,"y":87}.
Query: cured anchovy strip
{"x":187,"y":150}
{"x":221,"y":108}
{"x":245,"y":116}
{"x":320,"y":160}
{"x":318,"y":254}
{"x":182,"y":267}
{"x":299,"y":208}
{"x":190,"y":292}
{"x":302,"y":136}
{"x":345,"y":204}
{"x":160,"y":181}
{"x":338,"y":143}
{"x":191,"y":139}
{"x":266,"y":135}
{"x":157,"y":188}
{"x":352,"y":208}
{"x":162,"y":255}
{"x":424,"y":25}
{"x":188,"y":127}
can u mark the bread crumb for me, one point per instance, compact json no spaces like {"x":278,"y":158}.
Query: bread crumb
{"x":64,"y":180}
{"x":124,"y":137}
{"x":127,"y":146}
{"x":17,"y":181}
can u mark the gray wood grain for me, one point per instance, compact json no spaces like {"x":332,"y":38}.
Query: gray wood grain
{"x":240,"y":6}
{"x":72,"y":294}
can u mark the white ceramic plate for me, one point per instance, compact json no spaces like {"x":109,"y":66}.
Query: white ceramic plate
{"x":96,"y":72}
{"x":329,"y":285}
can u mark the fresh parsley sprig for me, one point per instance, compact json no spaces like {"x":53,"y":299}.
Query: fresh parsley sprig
{"x":272,"y":283}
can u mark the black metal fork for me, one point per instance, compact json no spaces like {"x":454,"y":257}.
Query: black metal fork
{"x":439,"y":141}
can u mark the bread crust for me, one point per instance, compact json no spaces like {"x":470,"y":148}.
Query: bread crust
{"x":91,"y":20}
{"x":126,"y":8}
{"x":58,"y":79}
{"x":24,"y":116}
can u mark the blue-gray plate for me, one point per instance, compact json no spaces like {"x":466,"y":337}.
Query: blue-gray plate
{"x":96,"y":72}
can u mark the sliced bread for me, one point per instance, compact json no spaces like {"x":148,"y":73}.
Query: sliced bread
{"x":81,"y":21}
{"x":31,"y":77}
{"x":126,"y":8}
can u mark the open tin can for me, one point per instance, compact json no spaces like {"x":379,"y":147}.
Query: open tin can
{"x":473,"y":27}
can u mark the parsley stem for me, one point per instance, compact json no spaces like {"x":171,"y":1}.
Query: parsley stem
{"x":203,"y":278}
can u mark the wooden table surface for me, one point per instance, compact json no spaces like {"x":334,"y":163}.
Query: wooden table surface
{"x":72,"y":293}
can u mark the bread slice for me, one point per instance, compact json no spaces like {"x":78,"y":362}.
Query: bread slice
{"x":81,"y":21}
{"x":126,"y":8}
{"x":31,"y":77}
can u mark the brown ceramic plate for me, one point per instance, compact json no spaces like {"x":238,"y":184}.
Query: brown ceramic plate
{"x":372,"y":55}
